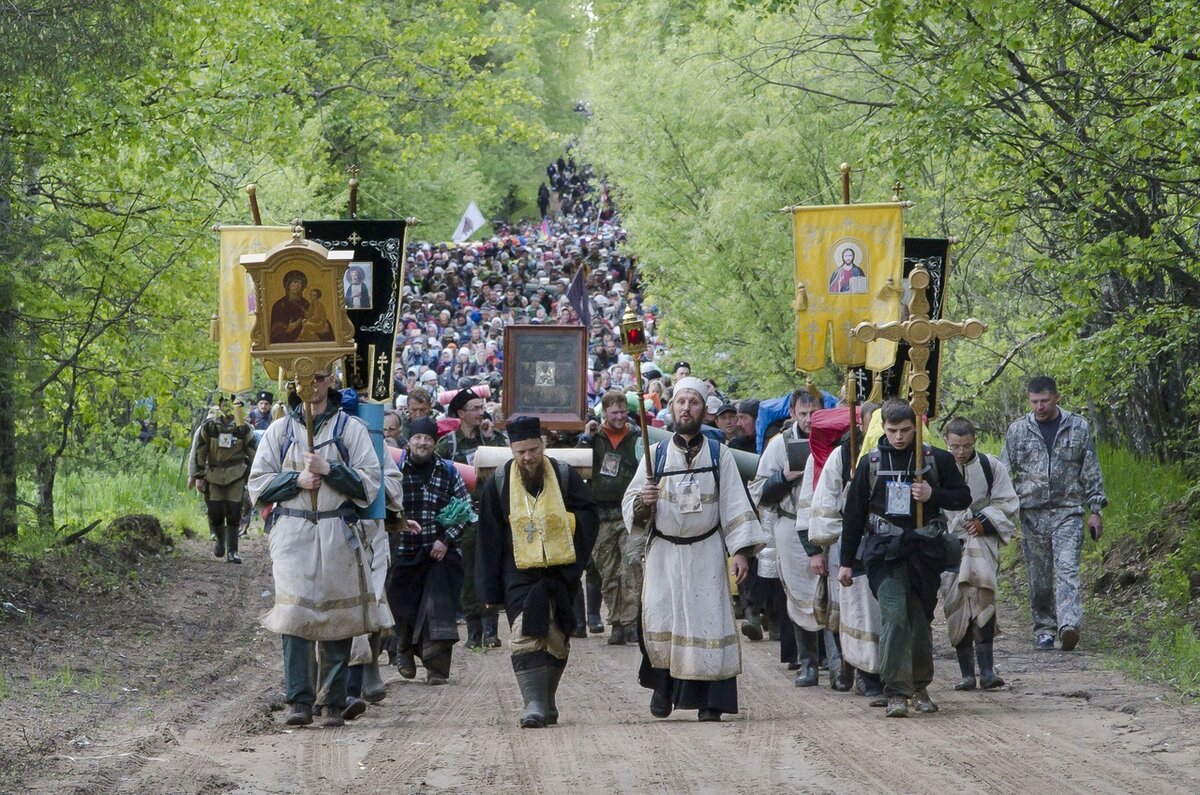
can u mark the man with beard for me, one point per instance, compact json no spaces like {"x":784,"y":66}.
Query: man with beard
{"x":618,"y":553}
{"x":427,"y":569}
{"x":903,"y":560}
{"x":260,"y":416}
{"x":537,"y":526}
{"x":695,"y":508}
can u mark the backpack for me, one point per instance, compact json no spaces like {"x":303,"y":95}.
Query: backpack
{"x":988,"y":473}
{"x":714,"y":451}
{"x":931,"y":470}
{"x":339,"y":427}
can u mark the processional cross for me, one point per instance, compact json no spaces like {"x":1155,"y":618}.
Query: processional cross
{"x":918,"y":331}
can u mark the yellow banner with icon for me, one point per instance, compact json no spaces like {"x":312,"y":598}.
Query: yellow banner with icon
{"x":849,"y":270}
{"x":236,"y":302}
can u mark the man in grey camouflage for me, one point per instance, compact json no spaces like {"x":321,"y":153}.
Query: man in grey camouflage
{"x":1051,"y":455}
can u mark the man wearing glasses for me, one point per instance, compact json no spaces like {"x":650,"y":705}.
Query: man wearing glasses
{"x":320,"y":557}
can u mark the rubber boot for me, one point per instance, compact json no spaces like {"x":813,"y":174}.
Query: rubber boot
{"x":580,"y":629}
{"x":231,"y":544}
{"x":806,"y":653}
{"x":592,"y":598}
{"x":373,"y":688}
{"x":474,"y":633}
{"x":533,"y":684}
{"x":841,"y":675}
{"x":553,"y":677}
{"x":988,"y":679}
{"x":491,"y":626}
{"x":752,"y":626}
{"x":966,"y":665}
{"x":218,"y":534}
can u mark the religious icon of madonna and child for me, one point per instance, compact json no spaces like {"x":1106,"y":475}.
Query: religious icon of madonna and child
{"x":297,"y":318}
{"x":847,"y":274}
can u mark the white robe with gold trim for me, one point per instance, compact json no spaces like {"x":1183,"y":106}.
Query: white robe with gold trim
{"x":969,"y":594}
{"x":687,"y":613}
{"x":782,"y":521}
{"x":859,"y":620}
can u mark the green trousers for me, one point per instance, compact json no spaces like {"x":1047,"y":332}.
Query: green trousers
{"x":905,"y":639}
{"x":300,"y":670}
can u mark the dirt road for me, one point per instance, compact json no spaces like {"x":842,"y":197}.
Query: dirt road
{"x":173,"y":692}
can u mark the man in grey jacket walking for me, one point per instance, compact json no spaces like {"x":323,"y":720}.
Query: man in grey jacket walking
{"x":1052,"y":457}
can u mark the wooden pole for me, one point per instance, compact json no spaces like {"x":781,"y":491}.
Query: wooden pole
{"x":252,"y":192}
{"x":851,"y":387}
{"x":637,"y":373}
{"x":353,"y":192}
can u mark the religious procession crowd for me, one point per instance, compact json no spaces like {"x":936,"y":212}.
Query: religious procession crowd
{"x":833,"y":532}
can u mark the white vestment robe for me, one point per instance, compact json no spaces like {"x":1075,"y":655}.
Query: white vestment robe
{"x":969,"y":594}
{"x":687,"y":614}
{"x":783,"y":521}
{"x":859,"y":620}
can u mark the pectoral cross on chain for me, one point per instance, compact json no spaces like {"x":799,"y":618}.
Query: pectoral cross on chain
{"x":918,"y":331}
{"x":529,"y":531}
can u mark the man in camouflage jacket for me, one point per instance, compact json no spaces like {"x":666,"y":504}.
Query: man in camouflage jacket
{"x":1051,"y":455}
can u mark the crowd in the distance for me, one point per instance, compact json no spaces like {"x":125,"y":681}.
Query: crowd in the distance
{"x":459,"y":298}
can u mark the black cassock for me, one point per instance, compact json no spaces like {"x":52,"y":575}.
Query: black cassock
{"x":537,"y":593}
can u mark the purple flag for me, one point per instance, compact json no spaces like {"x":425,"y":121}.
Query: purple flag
{"x":578,"y":296}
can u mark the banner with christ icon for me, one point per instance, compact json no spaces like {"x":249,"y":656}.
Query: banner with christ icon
{"x":848,"y":261}
{"x":934,"y":255}
{"x":371,"y":296}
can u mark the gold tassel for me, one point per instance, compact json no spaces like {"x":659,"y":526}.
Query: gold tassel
{"x":876,"y":395}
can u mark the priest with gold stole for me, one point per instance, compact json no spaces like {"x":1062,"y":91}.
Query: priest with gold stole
{"x":537,"y":525}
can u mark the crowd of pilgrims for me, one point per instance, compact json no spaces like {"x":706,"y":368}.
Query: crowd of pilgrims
{"x":458,"y":299}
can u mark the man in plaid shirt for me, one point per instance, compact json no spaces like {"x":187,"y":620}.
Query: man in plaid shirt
{"x":427,"y":569}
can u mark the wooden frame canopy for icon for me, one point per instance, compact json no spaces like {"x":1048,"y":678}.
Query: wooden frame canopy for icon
{"x":545,"y":375}
{"x":300,"y":322}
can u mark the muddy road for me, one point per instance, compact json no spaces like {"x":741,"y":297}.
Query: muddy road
{"x":170,"y":687}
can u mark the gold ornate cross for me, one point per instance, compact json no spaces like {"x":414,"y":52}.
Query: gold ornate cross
{"x":918,"y":331}
{"x":354,"y":238}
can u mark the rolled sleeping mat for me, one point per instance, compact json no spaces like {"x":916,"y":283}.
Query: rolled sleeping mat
{"x":488,"y":458}
{"x":372,"y":415}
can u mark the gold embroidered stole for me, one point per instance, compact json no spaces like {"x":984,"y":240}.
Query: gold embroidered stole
{"x":543,"y":530}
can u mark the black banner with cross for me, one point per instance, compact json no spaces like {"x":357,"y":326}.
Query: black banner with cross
{"x":935,"y":254}
{"x":371,"y":296}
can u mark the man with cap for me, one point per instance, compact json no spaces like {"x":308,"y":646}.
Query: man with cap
{"x":727,"y":421}
{"x":695,"y":508}
{"x":618,"y":553}
{"x":537,"y":525}
{"x":747,"y":417}
{"x":427,"y":568}
{"x":474,"y":431}
{"x":259,"y":417}
{"x":222,"y":450}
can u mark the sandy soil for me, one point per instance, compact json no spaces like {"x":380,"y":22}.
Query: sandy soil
{"x":170,"y":687}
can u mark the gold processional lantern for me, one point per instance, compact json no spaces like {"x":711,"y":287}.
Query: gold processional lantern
{"x":633,"y":342}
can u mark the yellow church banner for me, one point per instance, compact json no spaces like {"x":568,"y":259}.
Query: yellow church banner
{"x":236,"y":308}
{"x":849,"y":266}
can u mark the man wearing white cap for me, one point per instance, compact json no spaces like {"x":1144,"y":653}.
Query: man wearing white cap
{"x":695,"y":508}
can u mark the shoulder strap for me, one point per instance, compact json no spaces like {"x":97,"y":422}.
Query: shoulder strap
{"x":933,"y":476}
{"x":872,"y":470}
{"x":714,"y":452}
{"x":660,"y":459}
{"x":989,"y":474}
{"x":500,"y":475}
{"x":288,"y":439}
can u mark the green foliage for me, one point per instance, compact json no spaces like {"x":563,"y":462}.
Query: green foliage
{"x":702,"y":161}
{"x":127,"y":129}
{"x":1172,"y":656}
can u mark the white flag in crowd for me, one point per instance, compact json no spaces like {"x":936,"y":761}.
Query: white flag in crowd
{"x":471,"y":221}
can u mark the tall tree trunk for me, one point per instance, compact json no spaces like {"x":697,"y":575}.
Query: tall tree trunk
{"x":47,"y":471}
{"x":8,"y":366}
